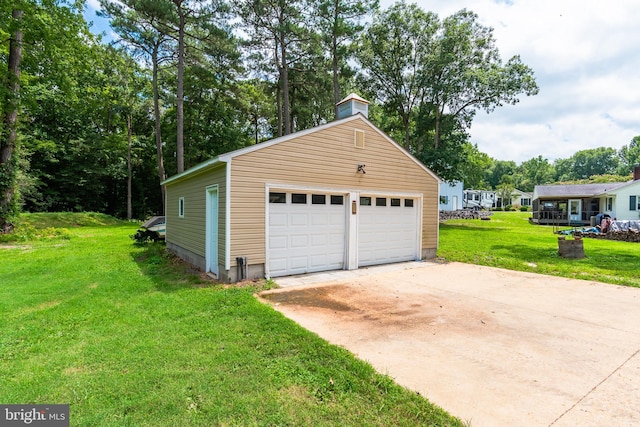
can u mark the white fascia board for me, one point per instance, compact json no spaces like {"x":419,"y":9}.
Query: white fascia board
{"x":193,"y":170}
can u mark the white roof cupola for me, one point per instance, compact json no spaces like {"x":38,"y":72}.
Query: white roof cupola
{"x":352,"y":105}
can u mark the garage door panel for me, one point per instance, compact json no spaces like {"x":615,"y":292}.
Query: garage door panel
{"x":387,"y":234}
{"x":318,"y":240}
{"x":298,"y":219}
{"x":278,"y":264}
{"x":320,"y":219}
{"x":315,"y":236}
{"x":316,"y":261}
{"x":278,"y":219}
{"x":278,"y":242}
{"x":299,"y":241}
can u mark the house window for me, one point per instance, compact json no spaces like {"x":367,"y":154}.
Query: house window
{"x":633,"y":203}
{"x":444,"y":200}
{"x":299,"y":198}
{"x":365,"y":201}
{"x":609,"y":204}
{"x":277,"y":197}
{"x":318,"y":199}
{"x":381,"y":201}
{"x":181,"y":207}
{"x":337,"y":200}
{"x":525,"y":201}
{"x":395,"y":202}
{"x":408,"y":203}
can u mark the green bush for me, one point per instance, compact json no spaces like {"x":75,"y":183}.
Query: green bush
{"x":24,"y":231}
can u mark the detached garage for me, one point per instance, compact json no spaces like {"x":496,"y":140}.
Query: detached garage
{"x":339,"y":196}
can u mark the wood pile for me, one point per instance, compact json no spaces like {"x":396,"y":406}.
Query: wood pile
{"x":464,"y":214}
{"x":624,"y":236}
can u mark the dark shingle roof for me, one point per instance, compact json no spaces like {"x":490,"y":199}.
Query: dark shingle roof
{"x":576,"y":190}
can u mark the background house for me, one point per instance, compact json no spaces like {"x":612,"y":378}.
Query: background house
{"x":339,"y":196}
{"x":451,"y":196}
{"x":518,"y":197}
{"x":576,"y":204}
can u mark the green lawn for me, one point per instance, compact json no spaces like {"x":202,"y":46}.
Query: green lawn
{"x":130,"y":337}
{"x":509,"y":241}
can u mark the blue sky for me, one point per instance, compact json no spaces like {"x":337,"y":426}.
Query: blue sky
{"x":100,"y":25}
{"x":586,"y":58}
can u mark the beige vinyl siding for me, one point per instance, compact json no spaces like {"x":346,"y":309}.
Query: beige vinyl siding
{"x":189,"y":232}
{"x":327,"y":158}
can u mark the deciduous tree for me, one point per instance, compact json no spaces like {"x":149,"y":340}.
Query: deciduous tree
{"x":393,"y":53}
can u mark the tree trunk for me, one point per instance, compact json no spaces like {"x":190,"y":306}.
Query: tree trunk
{"x":336,"y":85}
{"x":129,"y":168}
{"x":284,"y":73}
{"x":279,"y":106}
{"x":405,"y":125}
{"x":8,"y":163}
{"x":334,"y":53}
{"x":438,"y":118}
{"x":180,"y":91}
{"x":156,"y":116}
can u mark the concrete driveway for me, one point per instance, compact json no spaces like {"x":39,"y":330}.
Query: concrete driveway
{"x":491,"y":346}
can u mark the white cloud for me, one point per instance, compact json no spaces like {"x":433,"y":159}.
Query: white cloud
{"x":93,"y":4}
{"x":585,"y":58}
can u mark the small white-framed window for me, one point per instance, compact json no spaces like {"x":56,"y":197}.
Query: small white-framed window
{"x":609,"y":204}
{"x":444,"y":200}
{"x":634,"y":203}
{"x":181,"y":207}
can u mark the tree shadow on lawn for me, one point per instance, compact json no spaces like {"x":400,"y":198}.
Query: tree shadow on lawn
{"x":166,"y":271}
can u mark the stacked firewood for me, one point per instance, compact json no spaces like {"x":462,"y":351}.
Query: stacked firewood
{"x":624,"y":236}
{"x":464,"y":214}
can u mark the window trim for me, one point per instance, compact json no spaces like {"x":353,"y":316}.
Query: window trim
{"x":180,"y":207}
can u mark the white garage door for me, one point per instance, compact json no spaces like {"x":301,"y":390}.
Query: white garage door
{"x":387,"y":230}
{"x":307,"y":232}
